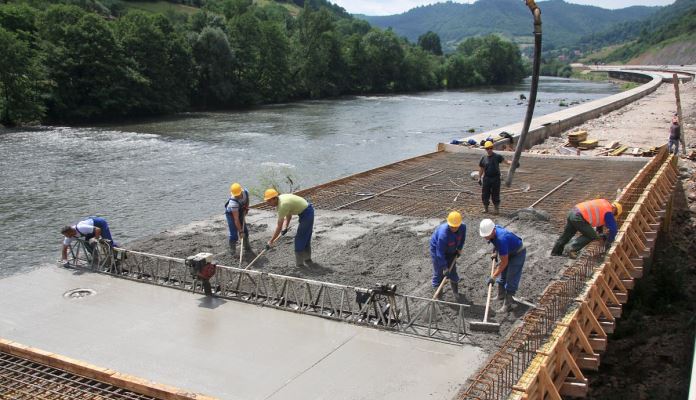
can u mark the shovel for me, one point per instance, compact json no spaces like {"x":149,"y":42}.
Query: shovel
{"x":485,"y":325}
{"x":241,"y":250}
{"x":444,"y":280}
{"x":262,"y":252}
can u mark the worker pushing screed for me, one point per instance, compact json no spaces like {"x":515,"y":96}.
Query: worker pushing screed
{"x":446,"y":246}
{"x":489,"y":177}
{"x":511,"y":254}
{"x":287,"y":206}
{"x":585,"y":217}
{"x":90,"y":230}
{"x":236,"y":209}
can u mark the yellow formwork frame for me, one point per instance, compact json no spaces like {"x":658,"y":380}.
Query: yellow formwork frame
{"x":580,"y":337}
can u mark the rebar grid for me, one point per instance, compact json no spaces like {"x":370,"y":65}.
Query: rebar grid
{"x":372,"y":307}
{"x":23,"y":379}
{"x":416,"y":188}
{"x":505,"y":368}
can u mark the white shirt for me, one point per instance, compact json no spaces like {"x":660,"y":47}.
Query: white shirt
{"x":233,"y":204}
{"x":83,"y":228}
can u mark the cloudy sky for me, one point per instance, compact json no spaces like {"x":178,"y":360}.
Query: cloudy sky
{"x":387,"y":7}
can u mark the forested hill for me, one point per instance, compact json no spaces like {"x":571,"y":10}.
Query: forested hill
{"x":563,"y":23}
{"x":85,"y":60}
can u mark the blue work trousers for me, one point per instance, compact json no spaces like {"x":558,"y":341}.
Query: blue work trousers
{"x":438,"y":270}
{"x":105,"y":232}
{"x":233,"y":227}
{"x":510,"y":278}
{"x":673,"y":143}
{"x":303,"y":238}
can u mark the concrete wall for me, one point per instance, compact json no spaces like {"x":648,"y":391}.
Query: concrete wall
{"x":555,"y":123}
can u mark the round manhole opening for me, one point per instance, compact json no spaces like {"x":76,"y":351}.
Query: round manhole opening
{"x":79,"y":293}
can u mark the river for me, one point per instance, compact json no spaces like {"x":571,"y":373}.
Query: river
{"x":144,"y":177}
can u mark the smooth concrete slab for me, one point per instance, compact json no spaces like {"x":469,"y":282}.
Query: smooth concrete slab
{"x":222,"y":348}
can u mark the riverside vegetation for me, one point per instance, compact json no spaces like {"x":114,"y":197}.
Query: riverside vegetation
{"x":87,"y":60}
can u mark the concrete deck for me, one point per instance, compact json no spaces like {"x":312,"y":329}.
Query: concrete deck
{"x":223,"y":348}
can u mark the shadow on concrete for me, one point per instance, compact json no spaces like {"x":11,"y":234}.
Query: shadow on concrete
{"x":210,"y":302}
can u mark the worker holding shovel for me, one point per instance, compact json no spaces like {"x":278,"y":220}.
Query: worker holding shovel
{"x":446,"y":246}
{"x":236,"y":209}
{"x":288,"y":205}
{"x":511,"y":254}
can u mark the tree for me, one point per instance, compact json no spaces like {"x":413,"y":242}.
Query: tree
{"x":430,"y":42}
{"x":384,"y":57}
{"x":21,"y":76}
{"x":215,"y":63}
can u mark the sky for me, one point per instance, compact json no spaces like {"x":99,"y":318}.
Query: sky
{"x":388,"y":7}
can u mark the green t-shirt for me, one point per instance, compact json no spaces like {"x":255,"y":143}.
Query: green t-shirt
{"x":290,"y":204}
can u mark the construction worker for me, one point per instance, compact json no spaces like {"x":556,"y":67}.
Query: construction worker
{"x":236,"y":209}
{"x":489,"y":177}
{"x":674,"y":136}
{"x":287,"y":206}
{"x":510,"y":254}
{"x":445,"y":247}
{"x":90,"y":230}
{"x":584,"y":217}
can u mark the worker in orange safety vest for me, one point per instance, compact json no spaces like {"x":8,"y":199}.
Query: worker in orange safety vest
{"x":585,"y":217}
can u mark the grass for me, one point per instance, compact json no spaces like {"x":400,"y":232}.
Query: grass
{"x":600,"y":54}
{"x":592,"y":76}
{"x":291,"y":7}
{"x":161,"y":7}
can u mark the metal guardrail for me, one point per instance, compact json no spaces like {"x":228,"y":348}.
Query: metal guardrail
{"x":374,"y":307}
{"x":560,"y":308}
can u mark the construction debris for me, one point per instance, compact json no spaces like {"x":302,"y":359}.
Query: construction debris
{"x":618,"y":151}
{"x":588,"y":144}
{"x":574,"y":138}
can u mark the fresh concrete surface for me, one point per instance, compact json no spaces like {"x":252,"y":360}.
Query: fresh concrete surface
{"x":223,"y":348}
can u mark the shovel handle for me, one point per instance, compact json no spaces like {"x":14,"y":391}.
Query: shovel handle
{"x":444,"y":280}
{"x":488,"y":298}
{"x":254,"y":260}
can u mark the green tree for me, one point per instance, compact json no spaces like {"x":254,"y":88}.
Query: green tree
{"x":21,"y":77}
{"x":461,"y":71}
{"x":384,"y":57}
{"x":274,"y":72}
{"x":430,"y":42}
{"x":215,"y":63}
{"x":314,"y":49}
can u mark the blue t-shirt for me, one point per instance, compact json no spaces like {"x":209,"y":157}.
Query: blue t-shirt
{"x":610,"y":223}
{"x":505,"y":241}
{"x":444,"y":242}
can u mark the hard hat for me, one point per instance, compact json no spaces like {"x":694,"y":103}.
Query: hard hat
{"x":270,"y":194}
{"x":619,"y":207}
{"x":236,"y":189}
{"x":454,"y":219}
{"x":488,"y":145}
{"x":486,"y":227}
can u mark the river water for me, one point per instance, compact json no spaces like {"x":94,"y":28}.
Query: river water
{"x":145,"y":177}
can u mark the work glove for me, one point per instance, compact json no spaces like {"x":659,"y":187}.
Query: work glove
{"x":93,"y":241}
{"x":63,"y":263}
{"x":491,"y":281}
{"x":284,"y":231}
{"x":603,"y":237}
{"x":458,"y":255}
{"x":267,"y":247}
{"x":494,"y":256}
{"x":240,"y":233}
{"x":479,"y":182}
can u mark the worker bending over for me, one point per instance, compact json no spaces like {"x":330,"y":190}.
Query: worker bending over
{"x":289,"y":205}
{"x":511,"y":254}
{"x":445,"y":247}
{"x":584,"y":217}
{"x":90,"y":230}
{"x":489,"y":177}
{"x":236,"y":209}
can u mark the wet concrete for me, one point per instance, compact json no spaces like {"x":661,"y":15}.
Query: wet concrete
{"x":361,"y":249}
{"x":223,"y":348}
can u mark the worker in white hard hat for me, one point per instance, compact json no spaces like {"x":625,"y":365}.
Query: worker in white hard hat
{"x":446,"y":246}
{"x":489,"y":177}
{"x":589,"y":218}
{"x":236,"y":209}
{"x":511,"y":254}
{"x":288,"y":205}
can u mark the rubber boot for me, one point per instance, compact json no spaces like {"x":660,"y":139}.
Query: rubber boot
{"x":501,"y":293}
{"x":507,"y":304}
{"x":247,"y":243}
{"x":496,"y":209}
{"x":233,"y":247}
{"x":455,"y":291}
{"x":485,"y":209}
{"x":308,"y":257}
{"x":299,"y":259}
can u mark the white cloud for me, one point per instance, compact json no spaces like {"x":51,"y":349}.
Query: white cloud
{"x":388,"y":7}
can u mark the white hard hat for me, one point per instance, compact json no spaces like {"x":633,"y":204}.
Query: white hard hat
{"x":474,"y":175}
{"x":486,"y":227}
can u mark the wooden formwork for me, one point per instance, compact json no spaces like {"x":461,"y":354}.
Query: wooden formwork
{"x":578,"y":340}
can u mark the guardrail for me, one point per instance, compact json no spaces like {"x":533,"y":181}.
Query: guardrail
{"x":544,"y":357}
{"x":375,"y":307}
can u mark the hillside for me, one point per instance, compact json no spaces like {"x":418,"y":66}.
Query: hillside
{"x":563,"y":23}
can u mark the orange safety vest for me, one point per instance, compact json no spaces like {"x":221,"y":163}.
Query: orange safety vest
{"x":593,"y":211}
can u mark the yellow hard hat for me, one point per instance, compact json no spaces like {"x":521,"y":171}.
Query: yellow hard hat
{"x":619,"y":207}
{"x":270,"y":194}
{"x":488,"y":145}
{"x":236,"y":189}
{"x":454,"y":219}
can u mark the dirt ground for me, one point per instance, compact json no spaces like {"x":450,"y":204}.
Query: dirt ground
{"x":644,"y":123}
{"x":361,"y":249}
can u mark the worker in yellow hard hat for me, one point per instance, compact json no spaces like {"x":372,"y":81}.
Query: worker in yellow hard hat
{"x":236,"y":209}
{"x":489,"y":177}
{"x":584,"y":218}
{"x":287,"y":206}
{"x":446,"y":245}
